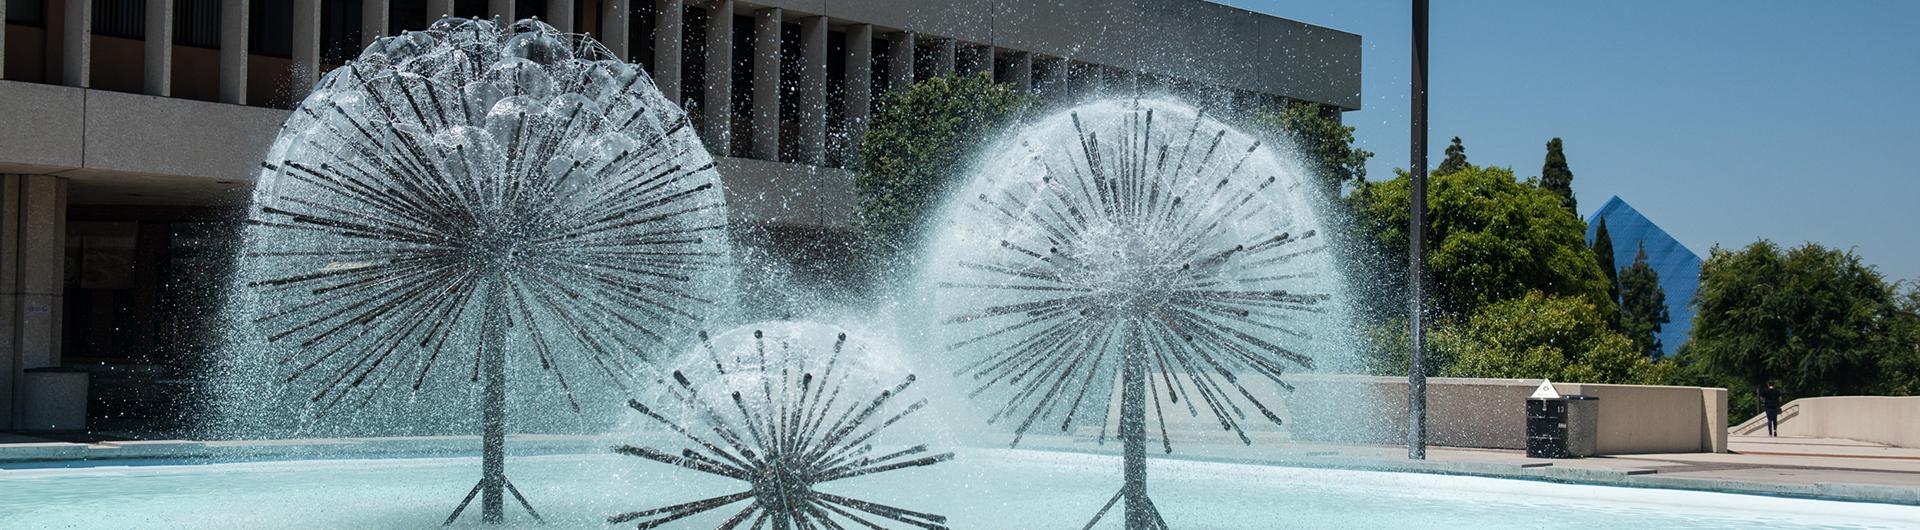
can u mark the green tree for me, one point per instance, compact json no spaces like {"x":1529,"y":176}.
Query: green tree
{"x":1603,"y":255}
{"x":1490,"y":239}
{"x":1456,"y":158}
{"x":1901,"y":365}
{"x":916,"y":146}
{"x":1562,"y":338}
{"x":1813,"y":318}
{"x":1643,"y":305}
{"x":1326,"y":144}
{"x":1556,"y":177}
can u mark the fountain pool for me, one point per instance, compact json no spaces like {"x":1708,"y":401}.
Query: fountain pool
{"x":995,"y":489}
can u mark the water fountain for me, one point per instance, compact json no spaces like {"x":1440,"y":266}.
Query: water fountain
{"x":479,"y":204}
{"x":773,"y":405}
{"x":509,"y":218}
{"x":1134,"y":240}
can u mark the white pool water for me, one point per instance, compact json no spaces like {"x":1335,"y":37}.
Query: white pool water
{"x":981,"y":489}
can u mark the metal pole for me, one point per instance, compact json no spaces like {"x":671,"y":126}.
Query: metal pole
{"x":1133,"y":438}
{"x":493,"y":415}
{"x":1416,"y":246}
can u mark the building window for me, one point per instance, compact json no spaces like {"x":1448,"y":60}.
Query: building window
{"x":120,"y":18}
{"x":270,"y":28}
{"x":196,"y":23}
{"x":525,"y":9}
{"x":339,"y":31}
{"x":27,"y":12}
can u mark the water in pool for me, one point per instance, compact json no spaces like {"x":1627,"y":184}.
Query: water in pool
{"x":994,"y":489}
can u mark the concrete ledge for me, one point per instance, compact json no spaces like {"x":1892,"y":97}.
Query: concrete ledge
{"x":521,"y":445}
{"x":40,"y":451}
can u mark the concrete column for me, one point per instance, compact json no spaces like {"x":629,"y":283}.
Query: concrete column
{"x":718,"y":100}
{"x":503,"y":10}
{"x":1059,"y":74}
{"x":668,"y":23}
{"x":813,"y":91}
{"x":9,"y":296}
{"x":76,"y":56}
{"x":900,"y":66}
{"x":233,"y":52}
{"x":944,"y":59}
{"x":1021,"y":72}
{"x":439,"y":8}
{"x":614,"y":22}
{"x":375,"y":17}
{"x":306,"y":47}
{"x":983,"y":61}
{"x":859,"y":81}
{"x":33,"y":238}
{"x":560,"y":15}
{"x":766,"y":84}
{"x":159,"y":69}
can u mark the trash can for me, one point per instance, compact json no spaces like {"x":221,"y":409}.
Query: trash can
{"x":1562,"y":427}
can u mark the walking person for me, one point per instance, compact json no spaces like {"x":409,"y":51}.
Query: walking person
{"x":1770,"y":399}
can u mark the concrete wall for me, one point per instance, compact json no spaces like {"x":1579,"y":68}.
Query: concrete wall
{"x":130,"y":149}
{"x":1466,"y":412}
{"x":1880,"y":419}
{"x":1202,"y":41}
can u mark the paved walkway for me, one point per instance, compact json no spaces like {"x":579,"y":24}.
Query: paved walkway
{"x":1801,"y":467}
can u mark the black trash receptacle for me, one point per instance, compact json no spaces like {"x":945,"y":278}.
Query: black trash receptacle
{"x":1553,"y":431}
{"x":1547,"y":428}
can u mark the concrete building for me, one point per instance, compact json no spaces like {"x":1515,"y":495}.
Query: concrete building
{"x":130,"y":129}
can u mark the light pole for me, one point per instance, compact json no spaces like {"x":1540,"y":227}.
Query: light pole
{"x":1416,"y":246}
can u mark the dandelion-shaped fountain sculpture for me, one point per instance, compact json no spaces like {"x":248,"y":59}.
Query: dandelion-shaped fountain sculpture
{"x":1141,"y":241}
{"x":779,"y":426}
{"x":470,"y":201}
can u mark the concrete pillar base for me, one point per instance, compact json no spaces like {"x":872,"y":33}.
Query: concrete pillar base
{"x":53,"y":400}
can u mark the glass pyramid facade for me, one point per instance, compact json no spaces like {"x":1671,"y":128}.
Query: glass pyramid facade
{"x":1679,"y":268}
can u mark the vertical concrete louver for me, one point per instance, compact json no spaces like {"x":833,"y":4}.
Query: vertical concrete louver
{"x":158,"y":76}
{"x":233,"y":52}
{"x":669,"y":21}
{"x":717,"y":101}
{"x":813,"y":92}
{"x":766,"y":84}
{"x":306,"y":47}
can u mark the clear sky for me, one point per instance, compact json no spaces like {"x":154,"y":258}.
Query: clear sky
{"x":1723,"y":121}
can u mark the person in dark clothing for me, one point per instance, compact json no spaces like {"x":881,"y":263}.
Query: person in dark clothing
{"x":1770,"y":399}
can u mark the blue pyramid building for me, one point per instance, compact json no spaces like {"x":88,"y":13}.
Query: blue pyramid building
{"x":1679,"y":268}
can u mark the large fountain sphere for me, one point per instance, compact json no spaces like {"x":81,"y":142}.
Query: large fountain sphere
{"x":1135,"y":231}
{"x":462,"y":194}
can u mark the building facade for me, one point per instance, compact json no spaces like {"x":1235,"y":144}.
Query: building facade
{"x":1678,"y":267}
{"x":130,"y":130}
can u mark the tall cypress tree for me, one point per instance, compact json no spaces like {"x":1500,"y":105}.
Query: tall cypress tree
{"x":1556,"y":177}
{"x":1643,"y":305}
{"x":1456,"y":158}
{"x":1603,"y":254}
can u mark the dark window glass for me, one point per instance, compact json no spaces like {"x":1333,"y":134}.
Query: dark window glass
{"x":270,"y":27}
{"x":196,"y":23}
{"x":120,"y":18}
{"x":407,"y":16}
{"x":339,"y":31}
{"x":525,"y":9}
{"x":469,"y":9}
{"x":27,"y":12}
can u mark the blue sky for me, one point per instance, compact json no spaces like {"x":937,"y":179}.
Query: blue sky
{"x":1723,"y":121}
